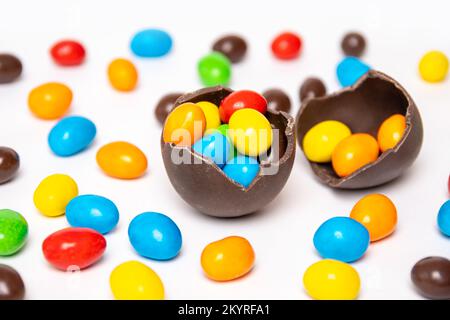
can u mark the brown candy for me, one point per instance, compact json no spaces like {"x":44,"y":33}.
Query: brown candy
{"x":277,"y":100}
{"x":431,"y":276}
{"x":10,"y":68}
{"x":165,"y":105}
{"x":312,"y":88}
{"x":9,"y":164}
{"x":11,"y":284}
{"x":353,"y":44}
{"x":232,"y":46}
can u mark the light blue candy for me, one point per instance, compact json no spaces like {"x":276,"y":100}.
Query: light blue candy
{"x":443,"y":218}
{"x":155,"y":236}
{"x":151,"y":43}
{"x":242,"y":169}
{"x":92,"y":211}
{"x":350,"y":69}
{"x":215,"y":146}
{"x":342,"y":238}
{"x":71,"y":135}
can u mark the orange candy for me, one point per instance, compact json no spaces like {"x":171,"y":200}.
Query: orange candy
{"x":353,"y":153}
{"x":122,"y":75}
{"x":228,"y":259}
{"x":122,"y":160}
{"x":184,"y":125}
{"x":391,"y":131}
{"x":50,"y":100}
{"x":377,"y":213}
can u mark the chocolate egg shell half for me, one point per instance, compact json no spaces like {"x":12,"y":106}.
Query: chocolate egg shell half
{"x":363,"y":107}
{"x":205,"y":187}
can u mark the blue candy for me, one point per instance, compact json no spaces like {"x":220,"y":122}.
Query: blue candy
{"x":71,"y":135}
{"x":350,"y":69}
{"x":155,"y":236}
{"x":91,"y":211}
{"x":215,"y":146}
{"x":443,"y":218}
{"x":242,"y":169}
{"x":151,"y":43}
{"x":342,"y":238}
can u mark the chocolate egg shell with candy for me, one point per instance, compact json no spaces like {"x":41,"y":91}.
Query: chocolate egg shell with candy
{"x":363,"y":107}
{"x":204,"y":186}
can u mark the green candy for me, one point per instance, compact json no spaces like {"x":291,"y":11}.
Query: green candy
{"x":214,"y":69}
{"x":223,"y":130}
{"x":13,"y":232}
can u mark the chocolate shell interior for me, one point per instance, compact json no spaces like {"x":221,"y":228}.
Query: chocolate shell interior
{"x":204,"y":186}
{"x":363,"y":107}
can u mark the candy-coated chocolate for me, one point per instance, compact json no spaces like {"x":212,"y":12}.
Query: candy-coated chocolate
{"x":211,"y":112}
{"x":214,"y":146}
{"x":353,"y":153}
{"x":122,"y":74}
{"x":287,"y":46}
{"x":9,"y":164}
{"x":250,"y":132}
{"x":377,"y":213}
{"x":241,"y":100}
{"x":433,"y":67}
{"x":353,"y":44}
{"x":277,"y":100}
{"x":92,"y":211}
{"x":151,"y":43}
{"x":54,"y":193}
{"x":184,"y":125}
{"x":320,"y":141}
{"x":10,"y":68}
{"x":232,"y":46}
{"x":68,"y":53}
{"x":155,"y":236}
{"x":391,"y":131}
{"x":349,"y":70}
{"x":13,"y":232}
{"x":165,"y":105}
{"x":133,"y":280}
{"x":242,"y":170}
{"x":331,"y":280}
{"x":214,"y":69}
{"x":71,"y":135}
{"x":11,"y":284}
{"x":228,"y":259}
{"x":72,"y":249}
{"x":443,"y":219}
{"x":431,"y":276}
{"x":312,"y":88}
{"x":341,"y":238}
{"x":50,"y":101}
{"x":122,"y":160}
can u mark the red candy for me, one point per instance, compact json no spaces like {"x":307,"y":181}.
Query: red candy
{"x":286,"y":46}
{"x":74,"y":248}
{"x":68,"y":53}
{"x":240,"y":100}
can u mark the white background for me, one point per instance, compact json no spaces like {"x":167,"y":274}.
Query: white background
{"x":398,"y":33}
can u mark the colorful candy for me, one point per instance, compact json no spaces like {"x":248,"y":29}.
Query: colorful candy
{"x":431,"y":276}
{"x":122,"y":160}
{"x":277,"y":100}
{"x":349,"y":70}
{"x":165,"y":106}
{"x":342,"y":239}
{"x":232,"y":46}
{"x":11,"y":284}
{"x":122,"y":74}
{"x":377,"y":213}
{"x":214,"y":69}
{"x":433,"y":67}
{"x":320,"y":141}
{"x":92,"y":211}
{"x":228,"y":259}
{"x":71,"y":135}
{"x":13,"y":232}
{"x":50,"y":100}
{"x":353,"y":153}
{"x":241,"y":100}
{"x":211,"y":112}
{"x":10,"y":68}
{"x":286,"y":46}
{"x":353,"y":44}
{"x":151,"y":43}
{"x":54,"y":193}
{"x":391,"y":131}
{"x":184,"y":125}
{"x":9,"y":164}
{"x":312,"y":88}
{"x":331,"y":280}
{"x":242,"y":170}
{"x":68,"y":53}
{"x":443,"y":219}
{"x":155,"y":236}
{"x":133,"y":280}
{"x":214,"y":146}
{"x":73,"y":249}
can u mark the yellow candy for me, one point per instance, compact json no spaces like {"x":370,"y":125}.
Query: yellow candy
{"x":250,"y":131}
{"x":212,"y":116}
{"x":433,"y":66}
{"x":54,"y":193}
{"x":133,"y":280}
{"x":320,"y":141}
{"x":122,"y":74}
{"x":331,"y":280}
